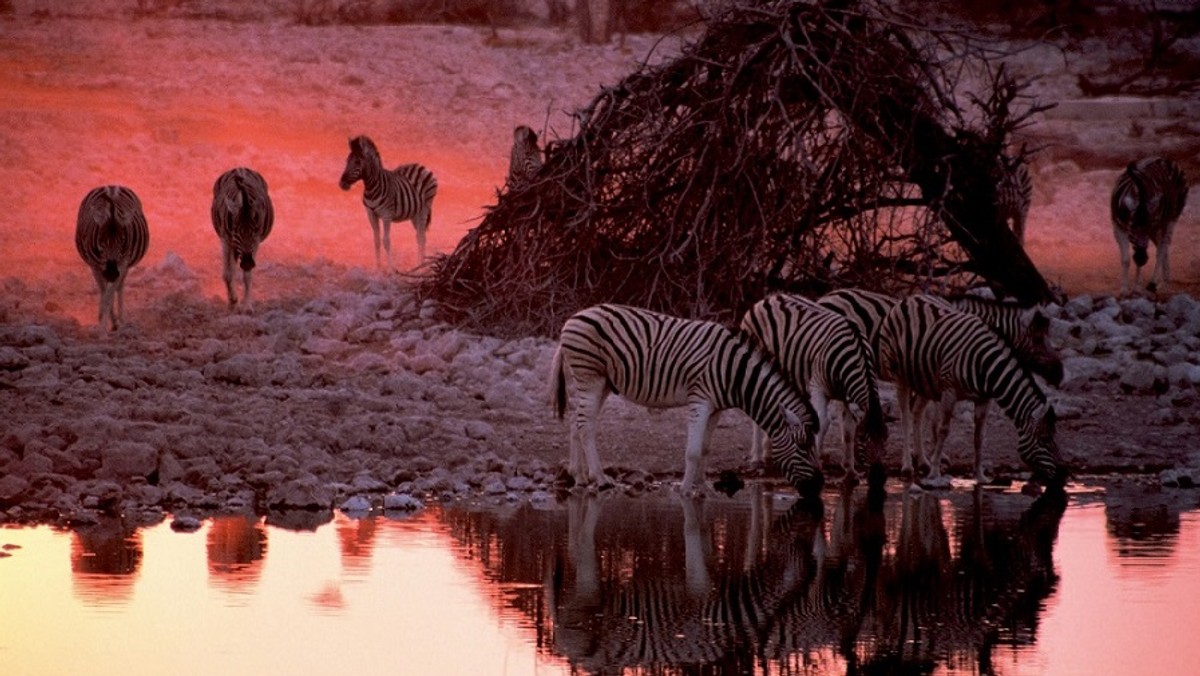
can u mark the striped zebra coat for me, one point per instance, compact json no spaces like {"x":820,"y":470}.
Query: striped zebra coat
{"x":242,"y":215}
{"x":1146,"y":202}
{"x":111,"y":236}
{"x":1025,"y":329}
{"x":935,"y":353}
{"x":525,"y":160}
{"x":660,"y":361}
{"x":404,"y":194}
{"x":824,"y":353}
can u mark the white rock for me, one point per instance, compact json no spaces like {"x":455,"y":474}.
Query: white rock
{"x":356,"y":504}
{"x":402,"y":501}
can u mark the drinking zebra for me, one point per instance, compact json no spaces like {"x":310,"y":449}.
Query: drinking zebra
{"x":935,"y":353}
{"x":526,"y":157}
{"x":1146,"y":202}
{"x":403,"y":194}
{"x":242,"y":215}
{"x":1025,"y":328}
{"x":824,"y":354}
{"x":1014,"y":193}
{"x":660,"y":361}
{"x":111,"y":236}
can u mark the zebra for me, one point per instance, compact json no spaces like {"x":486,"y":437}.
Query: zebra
{"x":525,"y":160}
{"x":111,"y":236}
{"x":1147,"y":200}
{"x":403,"y":194}
{"x":933,"y":352}
{"x":660,"y":361}
{"x":1025,"y":328}
{"x":242,"y":215}
{"x":824,"y":353}
{"x":1014,"y":193}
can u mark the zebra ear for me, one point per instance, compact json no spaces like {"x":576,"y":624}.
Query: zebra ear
{"x":1040,"y":323}
{"x":1051,"y":418}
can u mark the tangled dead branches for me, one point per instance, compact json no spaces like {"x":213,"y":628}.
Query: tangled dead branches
{"x":795,"y":146}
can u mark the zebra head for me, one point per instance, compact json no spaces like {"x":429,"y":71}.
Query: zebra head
{"x":1038,"y":447}
{"x":795,"y":449}
{"x":362,"y":153}
{"x":525,"y":137}
{"x":1036,"y":349}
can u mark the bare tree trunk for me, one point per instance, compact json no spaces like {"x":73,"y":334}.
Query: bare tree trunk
{"x":595,"y":26}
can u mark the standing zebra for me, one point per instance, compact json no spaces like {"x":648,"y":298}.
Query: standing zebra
{"x":111,"y":236}
{"x":1014,"y":193}
{"x":526,"y":157}
{"x":935,"y":353}
{"x":1146,"y":201}
{"x":660,"y":361}
{"x":242,"y":215}
{"x":823,"y":353}
{"x":404,"y":194}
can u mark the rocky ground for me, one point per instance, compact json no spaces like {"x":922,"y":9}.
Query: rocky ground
{"x":309,"y":402}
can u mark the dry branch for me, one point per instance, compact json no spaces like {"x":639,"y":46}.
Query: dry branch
{"x":795,"y":146}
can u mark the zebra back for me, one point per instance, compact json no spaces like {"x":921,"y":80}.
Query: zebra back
{"x":525,"y":159}
{"x":809,"y":342}
{"x":932,"y":348}
{"x":865,"y":308}
{"x":415,"y":190}
{"x":658,"y":360}
{"x":242,"y":212}
{"x":1026,"y":329}
{"x":111,"y":234}
{"x":1146,"y":201}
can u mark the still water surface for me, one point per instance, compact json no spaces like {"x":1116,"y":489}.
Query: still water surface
{"x":958,"y":582}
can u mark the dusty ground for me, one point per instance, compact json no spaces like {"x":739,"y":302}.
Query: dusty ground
{"x":333,"y":387}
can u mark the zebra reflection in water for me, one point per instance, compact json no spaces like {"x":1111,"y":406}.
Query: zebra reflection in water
{"x":887,"y":587}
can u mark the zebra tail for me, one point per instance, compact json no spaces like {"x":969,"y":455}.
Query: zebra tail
{"x":560,"y":385}
{"x":247,"y":262}
{"x":111,"y":271}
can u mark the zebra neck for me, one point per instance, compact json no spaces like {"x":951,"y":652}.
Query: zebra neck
{"x":1022,"y":400}
{"x":749,"y":381}
{"x":372,"y":175}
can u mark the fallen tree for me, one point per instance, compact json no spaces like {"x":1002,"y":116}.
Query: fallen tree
{"x":795,"y":146}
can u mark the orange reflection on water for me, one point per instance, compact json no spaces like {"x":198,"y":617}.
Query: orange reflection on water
{"x":949,"y":583}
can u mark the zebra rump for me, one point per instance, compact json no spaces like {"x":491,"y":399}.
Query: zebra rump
{"x":242,"y":213}
{"x":111,"y":236}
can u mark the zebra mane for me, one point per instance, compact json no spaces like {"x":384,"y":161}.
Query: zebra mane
{"x":362,"y":145}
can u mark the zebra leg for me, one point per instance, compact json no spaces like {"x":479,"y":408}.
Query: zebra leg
{"x":941,"y":430}
{"x":589,"y":398}
{"x":421,"y":225}
{"x":981,"y":414}
{"x":699,"y":414}
{"x":1123,"y":249}
{"x":904,"y":399}
{"x":116,"y":311}
{"x":387,"y":242}
{"x":760,"y":448}
{"x":919,"y":405}
{"x":227,"y":272}
{"x":374,"y":220}
{"x":246,"y":302}
{"x":1161,"y":266}
{"x":102,"y":285}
